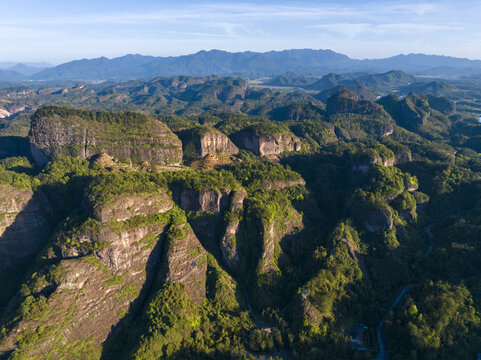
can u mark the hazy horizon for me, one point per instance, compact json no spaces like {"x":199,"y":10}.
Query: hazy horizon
{"x":40,"y":62}
{"x":56,"y":32}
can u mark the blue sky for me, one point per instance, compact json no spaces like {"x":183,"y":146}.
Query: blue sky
{"x":59,"y":31}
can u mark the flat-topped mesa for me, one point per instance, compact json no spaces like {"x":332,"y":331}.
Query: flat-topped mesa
{"x":268,"y":139}
{"x":201,"y":141}
{"x":129,"y":137}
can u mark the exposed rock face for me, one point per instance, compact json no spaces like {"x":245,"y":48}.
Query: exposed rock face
{"x":346,"y":101}
{"x":268,"y":144}
{"x":365,"y":165}
{"x":125,"y":207}
{"x":103,"y":267}
{"x":215,"y":142}
{"x":412,"y":187}
{"x":200,"y":142}
{"x":228,"y":244}
{"x":187,"y":262}
{"x":206,"y":200}
{"x":56,"y":131}
{"x":307,"y":310}
{"x":4,"y":113}
{"x":24,"y":225}
{"x":378,"y":220}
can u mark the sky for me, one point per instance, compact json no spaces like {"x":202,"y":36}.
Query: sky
{"x":60,"y":31}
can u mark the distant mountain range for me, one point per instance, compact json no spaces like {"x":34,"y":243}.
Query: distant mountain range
{"x":247,"y":64}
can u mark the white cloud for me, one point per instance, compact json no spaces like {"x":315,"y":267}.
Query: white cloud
{"x":362,"y":29}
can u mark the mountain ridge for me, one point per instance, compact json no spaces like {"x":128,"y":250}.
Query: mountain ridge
{"x":252,"y":65}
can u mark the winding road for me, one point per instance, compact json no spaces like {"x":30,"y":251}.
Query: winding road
{"x":382,"y":346}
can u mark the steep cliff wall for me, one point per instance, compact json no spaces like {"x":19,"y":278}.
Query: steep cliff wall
{"x":127,"y":137}
{"x":272,"y":142}
{"x":186,"y":261}
{"x":103,"y":265}
{"x":205,"y":200}
{"x":24,"y":225}
{"x":228,"y":244}
{"x":199,"y":142}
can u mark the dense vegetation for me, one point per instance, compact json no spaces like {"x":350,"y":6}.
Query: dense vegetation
{"x":383,"y":197}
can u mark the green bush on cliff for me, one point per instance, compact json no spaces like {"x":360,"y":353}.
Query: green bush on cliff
{"x":105,"y":187}
{"x":388,"y":182}
{"x":18,"y":181}
{"x":202,"y":179}
{"x":131,"y":119}
{"x":254,"y":174}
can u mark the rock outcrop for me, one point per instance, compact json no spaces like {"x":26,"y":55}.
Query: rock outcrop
{"x":205,"y":200}
{"x":24,"y":224}
{"x":124,"y":207}
{"x":267,"y":142}
{"x":4,"y":113}
{"x":202,"y":141}
{"x":228,"y":244}
{"x":376,"y":220}
{"x":186,"y":261}
{"x":128,"y":137}
{"x":103,"y":266}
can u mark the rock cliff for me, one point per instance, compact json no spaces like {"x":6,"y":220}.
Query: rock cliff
{"x":229,"y":246}
{"x":271,"y":142}
{"x":128,"y":137}
{"x":205,"y":200}
{"x":202,"y":141}
{"x":186,"y":261}
{"x":103,"y":265}
{"x":24,"y":224}
{"x":378,"y":220}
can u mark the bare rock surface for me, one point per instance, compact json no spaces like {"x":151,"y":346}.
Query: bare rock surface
{"x":140,"y":139}
{"x":273,"y":144}
{"x":228,"y":243}
{"x":24,"y":225}
{"x":187,"y":262}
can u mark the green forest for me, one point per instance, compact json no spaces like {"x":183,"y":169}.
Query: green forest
{"x":362,"y":241}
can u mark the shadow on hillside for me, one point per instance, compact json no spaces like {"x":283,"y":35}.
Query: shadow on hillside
{"x":20,"y":242}
{"x":14,"y":146}
{"x":125,"y":336}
